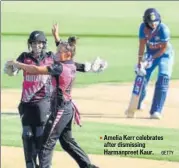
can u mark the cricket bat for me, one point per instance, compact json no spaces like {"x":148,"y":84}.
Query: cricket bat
{"x":136,"y":92}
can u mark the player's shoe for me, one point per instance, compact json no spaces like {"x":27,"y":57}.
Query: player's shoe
{"x":156,"y":115}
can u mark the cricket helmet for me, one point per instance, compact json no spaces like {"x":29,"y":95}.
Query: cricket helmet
{"x":151,"y":15}
{"x":37,"y":36}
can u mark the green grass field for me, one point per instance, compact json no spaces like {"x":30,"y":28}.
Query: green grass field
{"x":88,"y":20}
{"x":83,"y":17}
{"x":91,"y":132}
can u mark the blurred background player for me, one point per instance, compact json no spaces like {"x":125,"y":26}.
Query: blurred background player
{"x":59,"y":124}
{"x":154,"y":36}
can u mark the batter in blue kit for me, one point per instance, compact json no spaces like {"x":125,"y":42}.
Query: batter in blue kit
{"x":154,"y":38}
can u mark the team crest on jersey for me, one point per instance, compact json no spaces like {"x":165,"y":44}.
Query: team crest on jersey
{"x":157,"y":38}
{"x":152,"y":16}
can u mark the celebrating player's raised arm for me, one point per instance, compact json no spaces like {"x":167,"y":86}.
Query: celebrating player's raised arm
{"x":97,"y":65}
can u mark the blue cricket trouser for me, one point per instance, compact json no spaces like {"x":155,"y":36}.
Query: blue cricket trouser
{"x":165,"y":65}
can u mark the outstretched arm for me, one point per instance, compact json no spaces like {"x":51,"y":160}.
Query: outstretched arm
{"x":33,"y":69}
{"x":54,"y":69}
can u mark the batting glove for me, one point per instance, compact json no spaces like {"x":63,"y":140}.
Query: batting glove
{"x":140,"y":69}
{"x":148,"y":62}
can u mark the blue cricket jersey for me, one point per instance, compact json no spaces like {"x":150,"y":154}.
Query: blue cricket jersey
{"x":153,"y":37}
